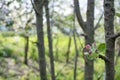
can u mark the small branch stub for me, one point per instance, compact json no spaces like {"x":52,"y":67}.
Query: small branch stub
{"x":104,"y":58}
{"x":115,"y":36}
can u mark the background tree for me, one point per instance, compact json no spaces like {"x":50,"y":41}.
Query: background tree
{"x":109,"y":31}
{"x":38,"y":7}
{"x":50,"y":40}
{"x":110,"y":38}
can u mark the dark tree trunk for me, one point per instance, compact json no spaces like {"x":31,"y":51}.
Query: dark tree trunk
{"x":68,"y":50}
{"x":26,"y":49}
{"x":109,"y":12}
{"x":88,"y":28}
{"x":38,"y":7}
{"x":89,"y":39}
{"x":50,"y":41}
{"x":89,"y":66}
{"x":76,"y":50}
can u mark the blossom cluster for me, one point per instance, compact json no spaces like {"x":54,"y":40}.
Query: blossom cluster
{"x":91,"y":51}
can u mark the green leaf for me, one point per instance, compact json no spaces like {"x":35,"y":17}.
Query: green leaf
{"x":101,"y":47}
{"x":117,"y":14}
{"x":92,"y":56}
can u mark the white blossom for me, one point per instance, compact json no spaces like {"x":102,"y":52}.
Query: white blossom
{"x":8,"y":20}
{"x":3,"y":1}
{"x":86,"y":53}
{"x":2,"y":16}
{"x":5,"y":10}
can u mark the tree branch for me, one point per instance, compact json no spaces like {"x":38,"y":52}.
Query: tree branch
{"x":34,"y":7}
{"x":61,"y":70}
{"x":35,"y":4}
{"x":83,"y":34}
{"x":104,"y":58}
{"x":115,"y":36}
{"x":78,"y":14}
{"x":97,"y":25}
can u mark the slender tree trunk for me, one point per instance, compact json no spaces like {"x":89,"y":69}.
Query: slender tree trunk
{"x":88,"y":28}
{"x":50,"y":41}
{"x":38,"y":7}
{"x":68,"y":50}
{"x":76,"y":50}
{"x":76,"y":56}
{"x":56,"y":48}
{"x":26,"y":49}
{"x":89,"y":39}
{"x":109,"y":12}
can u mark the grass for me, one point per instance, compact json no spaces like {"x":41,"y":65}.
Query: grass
{"x":13,"y":46}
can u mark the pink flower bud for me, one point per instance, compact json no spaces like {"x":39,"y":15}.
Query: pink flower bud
{"x":90,"y":52}
{"x":87,"y":46}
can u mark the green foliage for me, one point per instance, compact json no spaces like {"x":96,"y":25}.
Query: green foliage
{"x":101,"y":47}
{"x":34,"y":53}
{"x":92,"y":56}
{"x":14,"y":46}
{"x":117,"y":70}
{"x":7,"y":34}
{"x":117,"y":14}
{"x":9,"y":24}
{"x":6,"y":51}
{"x":69,"y":17}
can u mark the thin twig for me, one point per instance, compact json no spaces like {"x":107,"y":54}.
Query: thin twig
{"x":97,"y":25}
{"x":61,"y":70}
{"x":75,"y":43}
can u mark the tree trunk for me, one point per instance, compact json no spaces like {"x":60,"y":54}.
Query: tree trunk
{"x":109,"y":31}
{"x":68,"y":49}
{"x":89,"y":39}
{"x":88,"y":28}
{"x":26,"y":49}
{"x":38,"y":7}
{"x":50,"y":41}
{"x":89,"y":64}
{"x":76,"y":50}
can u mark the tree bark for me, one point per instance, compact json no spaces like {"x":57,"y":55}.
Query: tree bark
{"x":88,"y":28}
{"x":109,"y":13}
{"x":89,"y":39}
{"x":50,"y":41}
{"x":26,"y":49}
{"x":68,"y":49}
{"x":38,"y":7}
